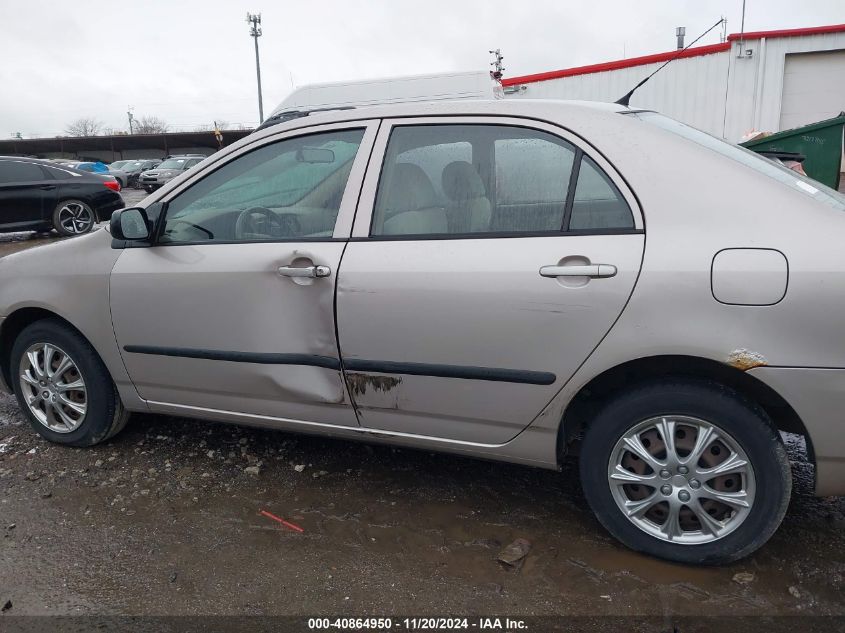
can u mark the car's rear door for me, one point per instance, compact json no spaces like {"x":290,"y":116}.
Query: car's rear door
{"x":489,"y":258}
{"x":27,"y":194}
{"x":231,"y":312}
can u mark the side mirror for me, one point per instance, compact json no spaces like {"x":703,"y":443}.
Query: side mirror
{"x":130,"y":224}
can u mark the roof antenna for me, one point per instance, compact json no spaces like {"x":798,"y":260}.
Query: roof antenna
{"x":624,"y":100}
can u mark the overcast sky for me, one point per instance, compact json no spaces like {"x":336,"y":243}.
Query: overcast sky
{"x":192,"y":61}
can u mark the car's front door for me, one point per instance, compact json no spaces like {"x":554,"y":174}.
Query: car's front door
{"x":231,"y":310}
{"x":489,"y":258}
{"x":27,"y":195}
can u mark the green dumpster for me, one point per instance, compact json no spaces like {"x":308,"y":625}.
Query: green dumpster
{"x":820,"y":143}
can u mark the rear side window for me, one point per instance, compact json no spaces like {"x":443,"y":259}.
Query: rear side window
{"x":533,"y":170}
{"x":19,"y":171}
{"x":453,"y":180}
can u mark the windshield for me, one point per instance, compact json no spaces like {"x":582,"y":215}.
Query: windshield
{"x":118,"y":164}
{"x":759,"y":163}
{"x":173,"y":163}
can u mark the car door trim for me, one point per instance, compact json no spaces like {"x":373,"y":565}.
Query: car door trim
{"x":258,"y":358}
{"x":356,"y":430}
{"x":493,"y":374}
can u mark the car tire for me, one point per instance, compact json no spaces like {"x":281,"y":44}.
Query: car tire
{"x":714,"y":528}
{"x":73,"y":217}
{"x":103,"y":414}
{"x":148,"y":188}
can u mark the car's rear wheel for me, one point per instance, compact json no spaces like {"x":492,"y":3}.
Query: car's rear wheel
{"x":63,"y":387}
{"x":687,"y":471}
{"x":73,"y":217}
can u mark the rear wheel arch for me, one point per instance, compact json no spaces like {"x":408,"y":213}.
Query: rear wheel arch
{"x":584,"y":406}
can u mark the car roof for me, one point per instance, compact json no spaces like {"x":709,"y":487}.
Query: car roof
{"x":531,"y":108}
{"x":46,"y":162}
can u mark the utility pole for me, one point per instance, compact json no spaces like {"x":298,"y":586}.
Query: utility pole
{"x":498,"y":69}
{"x":255,"y":33}
{"x":131,"y":118}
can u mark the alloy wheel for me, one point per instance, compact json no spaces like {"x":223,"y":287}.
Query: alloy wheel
{"x":76,"y":217}
{"x":53,"y":387}
{"x":681,"y":479}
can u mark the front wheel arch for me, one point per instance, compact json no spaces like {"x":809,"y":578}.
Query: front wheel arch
{"x":14,"y":324}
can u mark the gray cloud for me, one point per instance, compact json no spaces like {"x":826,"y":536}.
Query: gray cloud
{"x":191,"y":61}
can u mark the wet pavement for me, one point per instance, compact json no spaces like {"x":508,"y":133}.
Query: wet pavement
{"x":166,"y":519}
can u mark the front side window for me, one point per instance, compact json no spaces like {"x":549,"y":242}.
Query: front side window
{"x":458,"y":179}
{"x":287,"y":190}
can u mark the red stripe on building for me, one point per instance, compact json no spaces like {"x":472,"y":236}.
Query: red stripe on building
{"x":814,"y":30}
{"x":663,"y":57}
{"x":622,"y":63}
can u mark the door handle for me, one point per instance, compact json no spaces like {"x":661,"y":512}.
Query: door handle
{"x":47,"y":187}
{"x":595,"y":271}
{"x":307,"y":271}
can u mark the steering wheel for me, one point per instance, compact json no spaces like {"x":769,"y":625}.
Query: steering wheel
{"x":262,"y":223}
{"x":194,"y":226}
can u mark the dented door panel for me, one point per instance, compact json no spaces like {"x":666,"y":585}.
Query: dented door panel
{"x":464,"y":339}
{"x":229,"y":332}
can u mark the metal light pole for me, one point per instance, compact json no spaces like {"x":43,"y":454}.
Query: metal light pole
{"x":255,"y":32}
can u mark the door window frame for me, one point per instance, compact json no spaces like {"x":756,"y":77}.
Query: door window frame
{"x":346,"y":212}
{"x":366,"y":204}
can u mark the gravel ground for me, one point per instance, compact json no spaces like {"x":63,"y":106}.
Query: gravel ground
{"x":166,"y":519}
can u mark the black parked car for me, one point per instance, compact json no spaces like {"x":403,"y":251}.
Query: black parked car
{"x":37,"y":195}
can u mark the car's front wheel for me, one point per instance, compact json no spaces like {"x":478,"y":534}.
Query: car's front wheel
{"x":687,"y":471}
{"x":63,"y":387}
{"x":73,"y":217}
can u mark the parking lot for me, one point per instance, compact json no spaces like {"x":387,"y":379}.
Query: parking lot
{"x":174,"y":506}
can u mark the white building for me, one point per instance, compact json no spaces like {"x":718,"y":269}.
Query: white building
{"x":764,"y":81}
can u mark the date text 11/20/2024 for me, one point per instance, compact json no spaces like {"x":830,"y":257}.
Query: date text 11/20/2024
{"x":417,"y":624}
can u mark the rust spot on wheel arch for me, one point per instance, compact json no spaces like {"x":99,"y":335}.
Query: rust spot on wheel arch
{"x":359,"y":384}
{"x":745,"y":359}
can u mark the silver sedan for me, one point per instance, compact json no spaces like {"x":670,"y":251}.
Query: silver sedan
{"x":512,"y":280}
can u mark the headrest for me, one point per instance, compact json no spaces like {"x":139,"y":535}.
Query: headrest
{"x":461,"y":181}
{"x":409,"y":190}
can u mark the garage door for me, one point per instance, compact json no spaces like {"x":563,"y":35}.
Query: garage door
{"x":813,"y":88}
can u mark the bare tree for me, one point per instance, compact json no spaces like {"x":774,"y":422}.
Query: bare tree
{"x":85,"y":126}
{"x":209,"y":127}
{"x":150,"y":125}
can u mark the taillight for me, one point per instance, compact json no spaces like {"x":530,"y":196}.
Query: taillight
{"x":112,"y":184}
